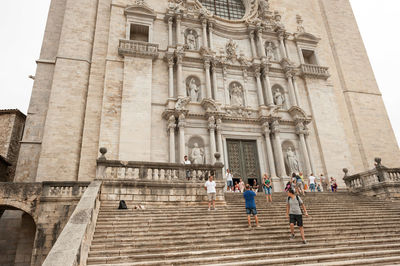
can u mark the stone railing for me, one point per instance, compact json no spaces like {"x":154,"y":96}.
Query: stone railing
{"x":72,"y":246}
{"x":138,"y":48}
{"x":120,"y":170}
{"x":380,"y":181}
{"x":64,"y":189}
{"x":315,"y":71}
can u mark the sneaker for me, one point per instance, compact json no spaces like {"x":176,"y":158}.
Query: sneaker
{"x":209,"y":209}
{"x":258,"y":226}
{"x":292,"y":236}
{"x":305,"y":242}
{"x":249,"y":226}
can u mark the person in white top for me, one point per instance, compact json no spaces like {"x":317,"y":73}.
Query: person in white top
{"x":209,"y":186}
{"x":311,"y":182}
{"x":186,"y":161}
{"x":229,"y":180}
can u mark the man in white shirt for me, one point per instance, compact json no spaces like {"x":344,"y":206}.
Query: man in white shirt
{"x":229,"y":180}
{"x":186,"y":161}
{"x":209,"y":186}
{"x":311,"y":182}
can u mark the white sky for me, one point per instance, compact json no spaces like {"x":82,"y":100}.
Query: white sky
{"x":22,"y":24}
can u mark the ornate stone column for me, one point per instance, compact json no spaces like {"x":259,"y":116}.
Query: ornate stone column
{"x":211,"y":32}
{"x":257,"y":73}
{"x":292,"y":97}
{"x":300,"y":131}
{"x":296,"y":90}
{"x":280,"y":162}
{"x":181,"y":125}
{"x":171,"y":131}
{"x":282,"y":44}
{"x":267,"y":85}
{"x":270,"y":154}
{"x":260,"y":43}
{"x":179,"y":74}
{"x":170,"y":60}
{"x":306,"y":134}
{"x":253,"y":45}
{"x":219,"y":139}
{"x":207,"y":63}
{"x":170,"y":22}
{"x":204,"y":24}
{"x":214,"y":79}
{"x":178,"y":30}
{"x":211,"y":128}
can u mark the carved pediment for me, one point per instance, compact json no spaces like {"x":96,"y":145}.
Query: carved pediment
{"x":140,"y":9}
{"x":305,"y":37}
{"x":210,"y":105}
{"x":298,"y":114}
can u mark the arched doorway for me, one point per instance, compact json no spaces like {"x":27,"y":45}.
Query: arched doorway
{"x":17,"y":235}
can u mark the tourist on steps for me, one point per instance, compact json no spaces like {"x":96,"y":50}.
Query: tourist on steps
{"x":209,"y":186}
{"x":229,"y":181}
{"x":250,"y":205}
{"x":267,"y":188}
{"x":311,"y":182}
{"x":186,"y":162}
{"x":294,"y":214}
{"x":241,"y":185}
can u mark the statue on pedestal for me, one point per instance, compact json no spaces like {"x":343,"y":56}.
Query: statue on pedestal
{"x":236,"y":95}
{"x":279,"y":99}
{"x":193,"y":90}
{"x":292,"y":161}
{"x":197,"y":154}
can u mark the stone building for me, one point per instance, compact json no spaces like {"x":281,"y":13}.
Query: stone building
{"x":274,"y":86}
{"x":12,"y":124}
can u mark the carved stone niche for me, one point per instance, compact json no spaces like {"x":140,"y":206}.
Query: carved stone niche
{"x":191,"y":39}
{"x":236,"y":94}
{"x":279,"y":96}
{"x":193,"y":88}
{"x":196,"y":149}
{"x":292,"y":158}
{"x":271,"y":50}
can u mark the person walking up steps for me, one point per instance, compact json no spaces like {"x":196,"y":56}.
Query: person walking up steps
{"x":209,"y":186}
{"x":250,"y":205}
{"x":229,"y":181}
{"x":294,"y":214}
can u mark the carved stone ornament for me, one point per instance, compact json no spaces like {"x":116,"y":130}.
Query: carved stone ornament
{"x":193,"y":89}
{"x":300,"y":27}
{"x":236,"y":94}
{"x":292,"y":161}
{"x":177,"y":6}
{"x":241,"y":112}
{"x":181,"y":103}
{"x":210,"y":105}
{"x":231,"y":50}
{"x":279,"y":97}
{"x":191,"y":39}
{"x":171,"y":122}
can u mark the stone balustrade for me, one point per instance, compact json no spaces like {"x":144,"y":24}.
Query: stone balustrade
{"x":138,"y":48}
{"x":315,"y":71}
{"x":118,"y":170}
{"x":64,"y":189}
{"x":380,"y":181}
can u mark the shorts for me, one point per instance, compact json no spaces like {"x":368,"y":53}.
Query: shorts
{"x":267,"y":190}
{"x":211,"y":196}
{"x":251,"y":211}
{"x":296,"y":219}
{"x":299,"y":184}
{"x":229,"y":183}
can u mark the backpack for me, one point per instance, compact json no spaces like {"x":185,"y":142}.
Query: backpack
{"x":122,"y":205}
{"x":298,"y":200}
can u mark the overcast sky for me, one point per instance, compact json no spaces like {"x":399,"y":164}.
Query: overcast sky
{"x":22,"y":24}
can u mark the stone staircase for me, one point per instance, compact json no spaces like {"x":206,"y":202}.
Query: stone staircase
{"x":342,"y":230}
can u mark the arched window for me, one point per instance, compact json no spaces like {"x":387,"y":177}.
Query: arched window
{"x":229,"y":9}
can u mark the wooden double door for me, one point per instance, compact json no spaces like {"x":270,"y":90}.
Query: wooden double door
{"x":243,"y":160}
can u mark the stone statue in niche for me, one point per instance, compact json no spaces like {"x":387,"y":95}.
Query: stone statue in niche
{"x":236,"y":94}
{"x":231,"y":50}
{"x":292,"y":161}
{"x":279,"y":98}
{"x":191,"y":40}
{"x":197,"y":154}
{"x":270,"y":51}
{"x":193,"y":90}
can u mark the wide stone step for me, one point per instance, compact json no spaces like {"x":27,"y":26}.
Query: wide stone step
{"x":187,"y":253}
{"x":262,"y":258}
{"x":239,"y":228}
{"x":344,"y":240}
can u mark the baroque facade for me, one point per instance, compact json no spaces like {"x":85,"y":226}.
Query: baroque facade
{"x":273,"y":86}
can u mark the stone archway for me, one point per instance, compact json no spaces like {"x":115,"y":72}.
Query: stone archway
{"x":17,"y":236}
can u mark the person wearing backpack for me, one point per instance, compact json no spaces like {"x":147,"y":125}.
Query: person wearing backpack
{"x":294,"y":214}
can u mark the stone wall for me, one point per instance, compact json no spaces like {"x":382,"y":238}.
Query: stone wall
{"x":12,"y":124}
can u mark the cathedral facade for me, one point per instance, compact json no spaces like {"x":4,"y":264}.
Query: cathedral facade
{"x":275,"y":87}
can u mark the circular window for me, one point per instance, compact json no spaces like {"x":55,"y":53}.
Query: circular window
{"x":228,"y":9}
